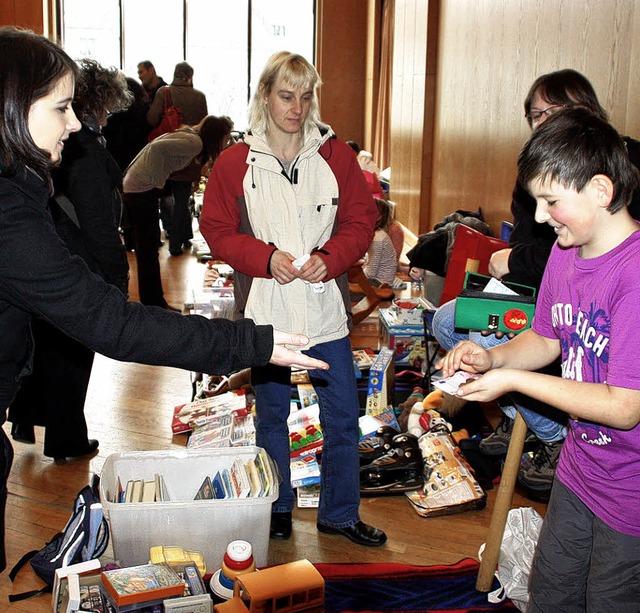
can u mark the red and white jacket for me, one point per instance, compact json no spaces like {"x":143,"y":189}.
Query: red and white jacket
{"x":322,"y":205}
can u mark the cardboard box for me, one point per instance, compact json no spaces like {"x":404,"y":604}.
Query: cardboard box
{"x":380,"y":388}
{"x":201,"y":525}
{"x":480,"y":310}
{"x":405,"y":340}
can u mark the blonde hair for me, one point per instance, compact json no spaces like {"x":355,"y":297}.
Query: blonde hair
{"x":295,"y":71}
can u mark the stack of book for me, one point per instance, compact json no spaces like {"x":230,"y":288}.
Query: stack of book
{"x":143,"y":490}
{"x":250,"y":479}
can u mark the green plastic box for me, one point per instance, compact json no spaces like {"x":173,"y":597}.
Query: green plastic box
{"x":480,"y":310}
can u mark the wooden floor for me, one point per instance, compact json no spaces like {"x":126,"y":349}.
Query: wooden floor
{"x":129,"y":407}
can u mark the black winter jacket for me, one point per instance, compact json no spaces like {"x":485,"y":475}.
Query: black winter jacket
{"x":39,"y":277}
{"x":90,"y":178}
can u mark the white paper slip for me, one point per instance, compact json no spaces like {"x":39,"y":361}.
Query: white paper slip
{"x":497,"y":287}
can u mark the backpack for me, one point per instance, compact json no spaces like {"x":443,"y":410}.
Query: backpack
{"x":171,"y":118}
{"x":85,"y":537}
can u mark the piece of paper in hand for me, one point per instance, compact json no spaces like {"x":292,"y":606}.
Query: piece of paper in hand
{"x":318,"y":288}
{"x":451,"y":384}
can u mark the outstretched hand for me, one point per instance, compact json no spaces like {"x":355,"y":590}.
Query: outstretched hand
{"x":282,"y":356}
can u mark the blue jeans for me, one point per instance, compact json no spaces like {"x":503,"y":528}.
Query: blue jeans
{"x":548,"y":428}
{"x":339,"y":411}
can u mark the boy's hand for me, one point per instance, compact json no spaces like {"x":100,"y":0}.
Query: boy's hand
{"x":490,"y":386}
{"x":465,"y":356}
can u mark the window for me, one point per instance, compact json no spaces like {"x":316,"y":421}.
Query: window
{"x":226,"y":42}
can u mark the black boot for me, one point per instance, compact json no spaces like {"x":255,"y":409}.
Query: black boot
{"x":23,"y":433}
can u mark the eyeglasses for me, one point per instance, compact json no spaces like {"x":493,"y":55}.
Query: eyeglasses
{"x":534,"y":117}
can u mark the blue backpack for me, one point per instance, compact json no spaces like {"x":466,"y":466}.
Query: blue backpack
{"x":85,"y":537}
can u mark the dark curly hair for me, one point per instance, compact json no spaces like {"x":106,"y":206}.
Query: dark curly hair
{"x":100,"y":90}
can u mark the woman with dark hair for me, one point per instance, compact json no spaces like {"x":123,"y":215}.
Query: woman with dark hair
{"x":39,"y":277}
{"x":86,"y":209}
{"x":177,"y":157}
{"x":214,"y":133}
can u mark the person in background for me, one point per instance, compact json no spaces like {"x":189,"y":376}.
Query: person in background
{"x":524,"y":262}
{"x":288,"y":208}
{"x":174,"y":202}
{"x":188,"y":147}
{"x":126,"y":134}
{"x":40,"y":278}
{"x":587,"y":558}
{"x":87,"y":220}
{"x":181,"y":184}
{"x":370,"y":172}
{"x":381,"y":260}
{"x":127,"y":130}
{"x":191,"y":101}
{"x":151,"y":82}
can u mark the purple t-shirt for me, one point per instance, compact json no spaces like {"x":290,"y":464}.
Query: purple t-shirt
{"x":593,"y":307}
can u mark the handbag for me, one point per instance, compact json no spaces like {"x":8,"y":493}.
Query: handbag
{"x":171,"y":118}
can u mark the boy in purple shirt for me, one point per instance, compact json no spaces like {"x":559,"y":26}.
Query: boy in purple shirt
{"x":588,"y":557}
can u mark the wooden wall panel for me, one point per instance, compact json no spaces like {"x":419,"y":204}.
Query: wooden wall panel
{"x":489,"y":54}
{"x":23,"y":13}
{"x":341,"y":47}
{"x":408,"y":109}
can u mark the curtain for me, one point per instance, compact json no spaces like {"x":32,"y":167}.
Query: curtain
{"x":381,"y":135}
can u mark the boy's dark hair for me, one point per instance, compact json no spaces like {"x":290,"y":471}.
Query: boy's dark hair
{"x":30,"y":67}
{"x":565,"y":88}
{"x":573,"y":146}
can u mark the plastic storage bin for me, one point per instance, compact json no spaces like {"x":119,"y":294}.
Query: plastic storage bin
{"x":204,"y":525}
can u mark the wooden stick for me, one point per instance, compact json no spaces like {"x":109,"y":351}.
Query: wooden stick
{"x":502,"y":506}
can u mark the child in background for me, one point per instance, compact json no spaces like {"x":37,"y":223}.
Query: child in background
{"x":588,"y":555}
{"x":381,"y":260}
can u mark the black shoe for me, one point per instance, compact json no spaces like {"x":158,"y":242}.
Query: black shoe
{"x":359,"y":533}
{"x":23,"y":433}
{"x":89,"y":448}
{"x":174,"y":252}
{"x":280,"y":525}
